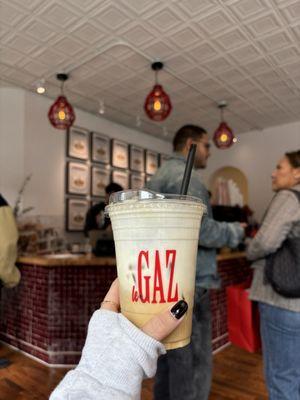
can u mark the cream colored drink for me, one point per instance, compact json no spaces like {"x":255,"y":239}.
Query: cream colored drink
{"x":156,"y":239}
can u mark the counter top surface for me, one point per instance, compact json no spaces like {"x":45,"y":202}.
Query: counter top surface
{"x":67,"y":259}
{"x":74,"y":259}
{"x":231,"y":256}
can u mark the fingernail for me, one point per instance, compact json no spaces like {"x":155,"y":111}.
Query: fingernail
{"x":179,"y":309}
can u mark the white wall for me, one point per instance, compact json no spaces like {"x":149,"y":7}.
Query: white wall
{"x":256,"y":154}
{"x":29,"y":144}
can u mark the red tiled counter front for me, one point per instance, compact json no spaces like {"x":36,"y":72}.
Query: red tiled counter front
{"x":233,"y":269}
{"x":47,"y":314}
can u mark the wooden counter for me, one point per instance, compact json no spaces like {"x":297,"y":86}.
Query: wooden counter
{"x":66,"y":259}
{"x":234,"y":255}
{"x":72,"y":259}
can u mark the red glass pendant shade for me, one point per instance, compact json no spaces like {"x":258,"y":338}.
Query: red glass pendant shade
{"x":158,"y":104}
{"x":61,"y":113}
{"x":223,"y":136}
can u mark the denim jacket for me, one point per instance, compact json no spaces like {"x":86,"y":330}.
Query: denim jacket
{"x":213,"y":234}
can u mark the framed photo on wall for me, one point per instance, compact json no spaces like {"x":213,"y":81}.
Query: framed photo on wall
{"x":77,"y":178}
{"x":119,"y":154}
{"x":100,"y":148}
{"x":78,"y":143}
{"x":151,"y":162}
{"x":137,"y":181}
{"x":137,"y":158}
{"x":100,"y":179}
{"x":121,"y":177}
{"x":76,"y":210}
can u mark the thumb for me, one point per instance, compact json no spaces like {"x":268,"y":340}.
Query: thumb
{"x":163,"y":324}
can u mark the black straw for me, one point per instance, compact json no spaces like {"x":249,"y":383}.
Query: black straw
{"x":188,"y":170}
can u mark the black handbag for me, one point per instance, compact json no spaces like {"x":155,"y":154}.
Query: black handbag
{"x":282,"y":269}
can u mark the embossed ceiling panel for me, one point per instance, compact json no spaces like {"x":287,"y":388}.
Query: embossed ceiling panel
{"x":244,"y":51}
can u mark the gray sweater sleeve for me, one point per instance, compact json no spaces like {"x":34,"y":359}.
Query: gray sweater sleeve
{"x":115,"y":359}
{"x":282,"y":213}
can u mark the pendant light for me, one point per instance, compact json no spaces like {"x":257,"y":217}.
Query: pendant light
{"x":157,"y":104}
{"x":61,"y":114}
{"x":223,"y":136}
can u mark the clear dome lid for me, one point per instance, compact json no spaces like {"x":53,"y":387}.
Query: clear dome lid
{"x":145,"y":194}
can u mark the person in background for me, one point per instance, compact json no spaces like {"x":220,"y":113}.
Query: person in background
{"x":186,"y":373}
{"x":279,"y":316}
{"x":9,"y":273}
{"x":117,"y":355}
{"x":95,"y":217}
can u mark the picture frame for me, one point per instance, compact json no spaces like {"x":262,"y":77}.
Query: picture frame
{"x":137,"y":181}
{"x":121,"y":177}
{"x":77,"y":178}
{"x":137,"y":158}
{"x":100,"y":178}
{"x":163,"y":158}
{"x":119,"y":154}
{"x":78,"y":143}
{"x":76,"y":210}
{"x":151,"y":162}
{"x":100,"y":149}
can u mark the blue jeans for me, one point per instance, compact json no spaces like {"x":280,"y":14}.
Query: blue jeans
{"x":280,"y":333}
{"x":185,"y":373}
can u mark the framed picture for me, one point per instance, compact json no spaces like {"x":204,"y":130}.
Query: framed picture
{"x":100,"y":179}
{"x":119,"y":154}
{"x":77,"y":178}
{"x":78,"y":143}
{"x":121,"y":177}
{"x":137,"y":158}
{"x":76,"y":210}
{"x":100,"y":148}
{"x":163,"y":158}
{"x":151,"y":162}
{"x":137,"y":181}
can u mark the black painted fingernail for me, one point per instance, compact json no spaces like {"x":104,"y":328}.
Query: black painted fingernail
{"x":179,"y":309}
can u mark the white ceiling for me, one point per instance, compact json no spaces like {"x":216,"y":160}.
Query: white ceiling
{"x":244,"y":51}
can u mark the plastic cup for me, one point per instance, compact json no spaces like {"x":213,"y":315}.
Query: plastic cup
{"x":156,"y":240}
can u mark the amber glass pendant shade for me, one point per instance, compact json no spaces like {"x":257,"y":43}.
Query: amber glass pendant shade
{"x":157,"y":105}
{"x":61,"y":114}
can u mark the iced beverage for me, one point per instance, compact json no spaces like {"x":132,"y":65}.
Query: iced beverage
{"x":156,"y":240}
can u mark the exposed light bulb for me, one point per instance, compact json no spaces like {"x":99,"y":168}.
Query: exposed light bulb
{"x":157,"y":105}
{"x":40,"y":90}
{"x":101,"y":107}
{"x":224,"y":137}
{"x":40,"y":86}
{"x":234,"y":140}
{"x":61,"y":115}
